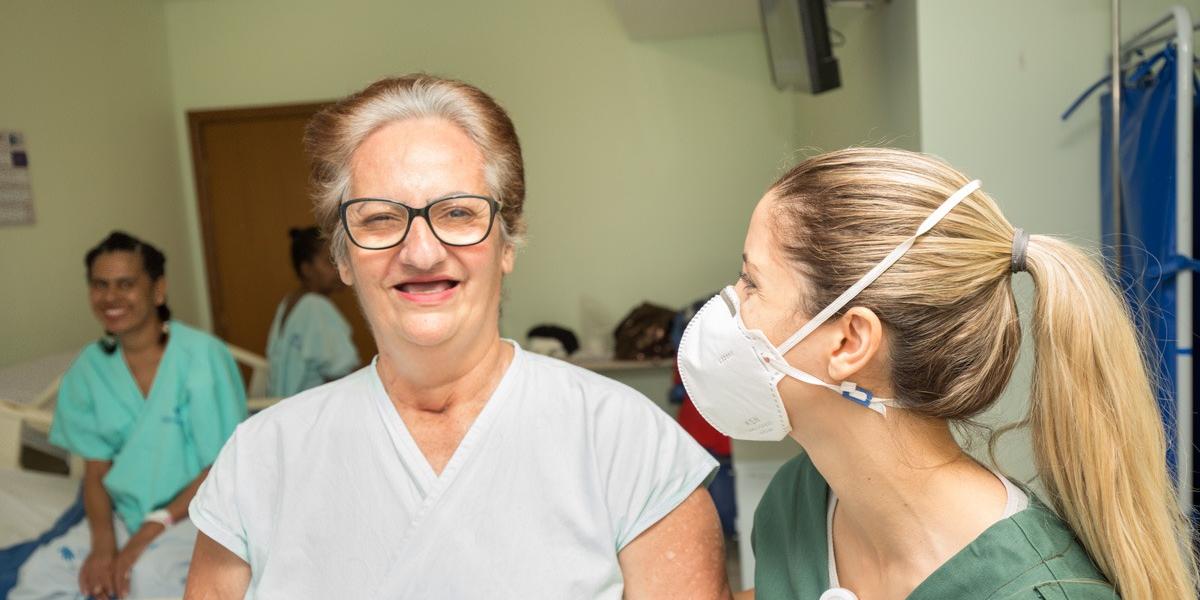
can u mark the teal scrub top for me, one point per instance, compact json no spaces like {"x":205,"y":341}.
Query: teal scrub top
{"x":313,"y":345}
{"x":160,"y":443}
{"x":1030,"y":555}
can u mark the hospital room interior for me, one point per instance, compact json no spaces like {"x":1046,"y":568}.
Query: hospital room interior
{"x":180,"y":135}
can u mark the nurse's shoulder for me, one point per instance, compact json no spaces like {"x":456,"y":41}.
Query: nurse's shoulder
{"x":88,"y":382}
{"x":195,"y":345}
{"x":1062,"y":568}
{"x":556,"y":385}
{"x":797,"y":493}
{"x":92,"y":363}
{"x":788,"y":537}
{"x":202,"y":364}
{"x":331,"y":405}
{"x":316,"y":306}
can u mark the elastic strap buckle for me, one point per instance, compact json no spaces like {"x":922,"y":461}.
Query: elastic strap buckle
{"x":857,"y":393}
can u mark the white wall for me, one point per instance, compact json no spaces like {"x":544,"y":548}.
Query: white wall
{"x":877,"y":104}
{"x":87,"y":83}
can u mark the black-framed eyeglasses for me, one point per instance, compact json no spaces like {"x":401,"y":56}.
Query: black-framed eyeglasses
{"x":457,"y":220}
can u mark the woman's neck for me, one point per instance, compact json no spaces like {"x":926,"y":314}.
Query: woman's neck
{"x":909,"y":498}
{"x":143,"y":338}
{"x":434,"y":379}
{"x":307,"y":287}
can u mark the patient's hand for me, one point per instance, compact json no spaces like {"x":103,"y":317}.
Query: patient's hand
{"x":122,"y":566}
{"x":96,"y":576}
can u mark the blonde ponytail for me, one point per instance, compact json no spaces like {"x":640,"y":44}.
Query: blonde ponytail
{"x":1097,"y":437}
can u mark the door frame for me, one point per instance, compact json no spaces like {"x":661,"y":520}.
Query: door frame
{"x":198,"y":120}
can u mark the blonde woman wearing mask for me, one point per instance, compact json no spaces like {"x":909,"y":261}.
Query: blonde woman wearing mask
{"x":874,"y":310}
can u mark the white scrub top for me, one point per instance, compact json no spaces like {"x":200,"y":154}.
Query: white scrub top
{"x":311,"y":346}
{"x":327,"y":494}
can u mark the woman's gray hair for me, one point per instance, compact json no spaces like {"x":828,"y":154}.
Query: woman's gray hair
{"x":336,"y":132}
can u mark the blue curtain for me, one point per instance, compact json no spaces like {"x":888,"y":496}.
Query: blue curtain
{"x":1146,"y":243}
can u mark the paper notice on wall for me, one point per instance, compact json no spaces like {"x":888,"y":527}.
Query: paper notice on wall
{"x":16,"y":193}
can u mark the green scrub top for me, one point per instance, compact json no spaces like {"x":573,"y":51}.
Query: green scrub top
{"x":160,"y":443}
{"x":1030,"y":555}
{"x":311,"y":346}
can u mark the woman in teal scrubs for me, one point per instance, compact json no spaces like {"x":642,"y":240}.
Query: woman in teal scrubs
{"x":310,"y":341}
{"x":875,"y":310}
{"x":148,"y":407}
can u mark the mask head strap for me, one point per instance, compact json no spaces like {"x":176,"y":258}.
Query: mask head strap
{"x":880,"y":268}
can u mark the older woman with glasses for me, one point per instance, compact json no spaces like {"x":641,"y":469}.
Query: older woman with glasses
{"x":455,"y":465}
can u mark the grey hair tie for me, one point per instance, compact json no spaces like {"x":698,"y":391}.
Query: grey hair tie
{"x":1019,"y":248}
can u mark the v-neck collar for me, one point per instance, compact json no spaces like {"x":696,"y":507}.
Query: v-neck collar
{"x":986,"y":563}
{"x":431,"y":483}
{"x":131,"y":381}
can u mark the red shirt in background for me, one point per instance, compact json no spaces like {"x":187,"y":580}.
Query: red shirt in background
{"x":704,"y":434}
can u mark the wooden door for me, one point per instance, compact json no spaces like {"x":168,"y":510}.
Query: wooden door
{"x":252,"y":186}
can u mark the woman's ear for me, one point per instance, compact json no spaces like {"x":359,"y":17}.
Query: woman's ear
{"x":508,"y":258}
{"x":861,"y":335}
{"x":159,"y":289}
{"x":344,"y":271}
{"x":306,"y":270}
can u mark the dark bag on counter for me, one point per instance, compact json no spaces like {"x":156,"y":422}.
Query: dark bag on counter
{"x":645,"y":333}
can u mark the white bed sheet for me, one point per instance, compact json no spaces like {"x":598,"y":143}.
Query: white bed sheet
{"x":31,"y":502}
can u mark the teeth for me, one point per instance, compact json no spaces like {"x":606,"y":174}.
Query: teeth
{"x":426,"y":287}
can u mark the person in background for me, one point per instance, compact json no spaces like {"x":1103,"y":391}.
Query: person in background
{"x":147,"y":407}
{"x":310,"y":341}
{"x":875,"y":309}
{"x":456,"y":465}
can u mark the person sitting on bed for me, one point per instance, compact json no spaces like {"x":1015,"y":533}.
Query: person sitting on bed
{"x":309,"y":342}
{"x":147,"y":407}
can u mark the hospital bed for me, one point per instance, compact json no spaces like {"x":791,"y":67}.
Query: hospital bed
{"x":31,"y":501}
